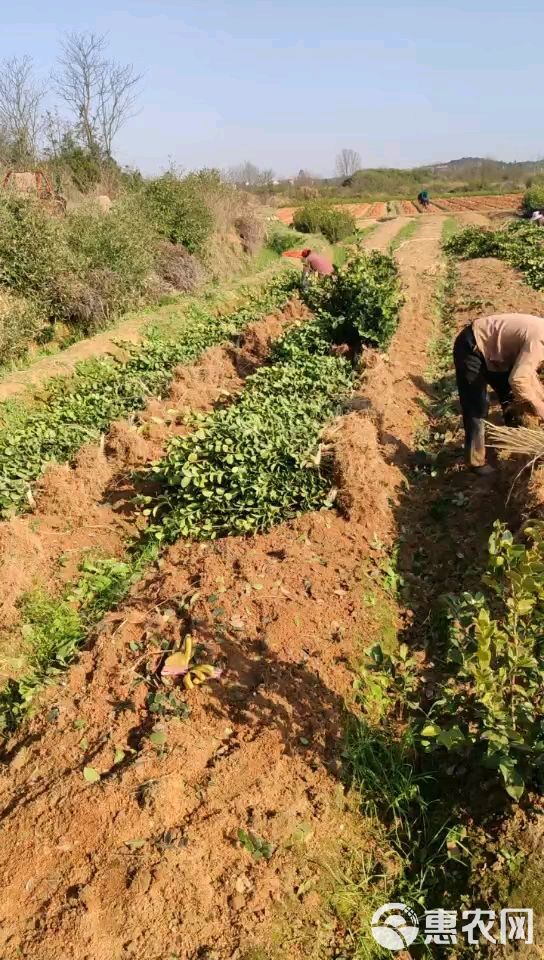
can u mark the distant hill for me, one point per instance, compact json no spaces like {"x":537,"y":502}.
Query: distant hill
{"x":470,"y":164}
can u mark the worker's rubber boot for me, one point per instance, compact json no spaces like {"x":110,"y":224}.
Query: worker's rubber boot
{"x":475,"y":448}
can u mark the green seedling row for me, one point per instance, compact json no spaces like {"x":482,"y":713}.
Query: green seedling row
{"x":521,"y":244}
{"x":70,"y":412}
{"x":245,"y":468}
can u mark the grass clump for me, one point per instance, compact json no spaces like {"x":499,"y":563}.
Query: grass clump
{"x":319,"y":217}
{"x":55,"y":628}
{"x":404,"y":234}
{"x":178,"y":268}
{"x":52,"y":631}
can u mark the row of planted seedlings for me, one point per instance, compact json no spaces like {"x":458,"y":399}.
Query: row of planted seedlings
{"x":68,"y":412}
{"x":243,"y":469}
{"x":520,"y":243}
{"x":447,"y":751}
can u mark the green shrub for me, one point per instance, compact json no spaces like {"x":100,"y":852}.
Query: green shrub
{"x":179,"y":211}
{"x":84,"y":168}
{"x":20,"y":323}
{"x":34,"y":253}
{"x":319,"y":217}
{"x":492,"y":707}
{"x":114,"y":253}
{"x":279,"y":241}
{"x":473,"y":242}
{"x":533,"y":199}
{"x":362,"y":297}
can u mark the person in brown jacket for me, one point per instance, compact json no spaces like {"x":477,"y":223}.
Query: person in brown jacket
{"x":503,"y":351}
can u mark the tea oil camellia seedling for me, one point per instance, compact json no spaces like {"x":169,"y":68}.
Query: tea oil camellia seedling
{"x":76,"y":411}
{"x":253,"y":464}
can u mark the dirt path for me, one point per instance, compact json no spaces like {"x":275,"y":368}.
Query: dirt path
{"x":129,"y":330}
{"x":147,"y":863}
{"x":385,"y":232}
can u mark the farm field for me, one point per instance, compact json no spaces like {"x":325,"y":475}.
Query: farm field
{"x":237,"y":484}
{"x":491,"y":204}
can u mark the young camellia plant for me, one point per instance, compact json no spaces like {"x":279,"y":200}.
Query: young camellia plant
{"x":492,"y":708}
{"x":364,"y":295}
{"x":76,"y":410}
{"x":521,"y":244}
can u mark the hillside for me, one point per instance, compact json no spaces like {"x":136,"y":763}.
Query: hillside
{"x":469,"y":164}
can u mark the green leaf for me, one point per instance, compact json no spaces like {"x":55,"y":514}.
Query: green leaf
{"x":91,"y":775}
{"x":431,"y":730}
{"x":158,"y":738}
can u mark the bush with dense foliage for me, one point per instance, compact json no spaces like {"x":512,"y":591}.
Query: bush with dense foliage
{"x":363,"y":299}
{"x":533,"y":199}
{"x":34,"y":253}
{"x":281,"y":240}
{"x":491,"y":710}
{"x":115,"y":253}
{"x":179,"y":211}
{"x":20,"y":324}
{"x":320,"y":217}
{"x":82,"y":268}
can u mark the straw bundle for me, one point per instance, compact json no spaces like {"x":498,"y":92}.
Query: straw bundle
{"x":528,"y":441}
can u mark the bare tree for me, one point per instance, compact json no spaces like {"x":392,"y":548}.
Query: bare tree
{"x":100,"y":92}
{"x":20,"y":102}
{"x":116,"y":100}
{"x":347,"y":163}
{"x":248,"y":175}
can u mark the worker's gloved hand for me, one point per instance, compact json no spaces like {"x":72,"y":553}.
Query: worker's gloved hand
{"x":340,"y":350}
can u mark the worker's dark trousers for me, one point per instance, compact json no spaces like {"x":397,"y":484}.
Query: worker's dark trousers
{"x":473,"y":378}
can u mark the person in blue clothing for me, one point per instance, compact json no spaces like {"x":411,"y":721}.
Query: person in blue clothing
{"x":423,"y":199}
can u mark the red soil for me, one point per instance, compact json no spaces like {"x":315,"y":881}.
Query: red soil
{"x":146,"y":863}
{"x":80,"y":507}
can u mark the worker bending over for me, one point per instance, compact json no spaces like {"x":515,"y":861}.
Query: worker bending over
{"x":423,"y":199}
{"x":503,"y":351}
{"x":316,"y":263}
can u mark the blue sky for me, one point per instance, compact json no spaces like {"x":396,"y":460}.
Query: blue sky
{"x":288,"y":83}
